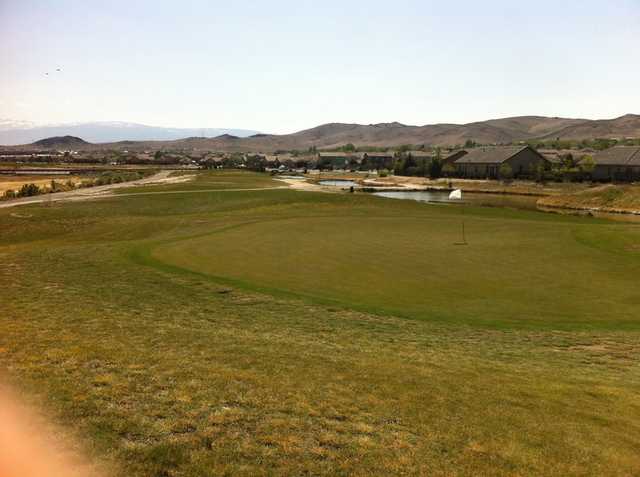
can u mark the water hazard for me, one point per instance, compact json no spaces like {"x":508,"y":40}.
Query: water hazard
{"x":487,"y":200}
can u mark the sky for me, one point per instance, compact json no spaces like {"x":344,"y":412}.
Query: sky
{"x":281,"y":66}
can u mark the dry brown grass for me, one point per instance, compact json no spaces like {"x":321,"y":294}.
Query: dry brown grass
{"x":605,"y":198}
{"x":15,"y":182}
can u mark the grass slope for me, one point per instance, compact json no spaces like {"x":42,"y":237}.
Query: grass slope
{"x":606,"y":197}
{"x":168,"y":370}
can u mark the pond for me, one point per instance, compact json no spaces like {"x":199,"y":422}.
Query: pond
{"x":338,"y":183}
{"x":525,"y":202}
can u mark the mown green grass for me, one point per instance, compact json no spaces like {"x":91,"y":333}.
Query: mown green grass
{"x":167,"y":365}
{"x":526,"y":271}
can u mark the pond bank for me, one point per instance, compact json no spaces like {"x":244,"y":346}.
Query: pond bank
{"x":606,"y":210}
{"x":553,"y":198}
{"x":609,"y":198}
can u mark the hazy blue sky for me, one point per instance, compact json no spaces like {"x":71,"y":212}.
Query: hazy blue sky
{"x":281,"y":66}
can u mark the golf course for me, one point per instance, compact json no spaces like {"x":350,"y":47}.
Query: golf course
{"x":230,"y":325}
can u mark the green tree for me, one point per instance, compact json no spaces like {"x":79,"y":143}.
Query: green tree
{"x":568,"y":161}
{"x":435,"y":166}
{"x":538,"y":171}
{"x":588,"y":164}
{"x":410,"y":166}
{"x":349,"y":148}
{"x":399,"y":167}
{"x":469,"y":143}
{"x":506,"y":172}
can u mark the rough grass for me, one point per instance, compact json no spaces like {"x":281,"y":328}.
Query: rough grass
{"x":170,"y":372}
{"x":624,"y":198}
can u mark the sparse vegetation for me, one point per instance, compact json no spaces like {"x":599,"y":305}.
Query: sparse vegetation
{"x":605,"y":197}
{"x":28,"y":190}
{"x":105,"y":178}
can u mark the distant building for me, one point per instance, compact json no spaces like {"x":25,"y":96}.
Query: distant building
{"x":337,"y":160}
{"x":620,"y":163}
{"x":377,"y":160}
{"x":485,"y":162}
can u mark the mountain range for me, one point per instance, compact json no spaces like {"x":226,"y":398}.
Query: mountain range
{"x":493,"y":131}
{"x":24,"y":132}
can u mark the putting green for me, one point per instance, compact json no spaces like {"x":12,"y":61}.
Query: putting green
{"x":513,"y":271}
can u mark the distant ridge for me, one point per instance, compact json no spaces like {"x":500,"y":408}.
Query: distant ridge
{"x":332,"y":135}
{"x":22,"y":132}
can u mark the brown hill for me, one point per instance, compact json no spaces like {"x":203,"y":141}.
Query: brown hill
{"x":627,"y":126}
{"x":494,"y":131}
{"x":60,"y":142}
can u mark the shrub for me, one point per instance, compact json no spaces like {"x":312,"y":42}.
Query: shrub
{"x":506,"y":172}
{"x":28,"y":190}
{"x":449,"y":170}
{"x":587,"y":165}
{"x":111,"y":177}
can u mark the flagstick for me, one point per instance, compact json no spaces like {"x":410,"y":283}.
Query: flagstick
{"x":464,"y":238}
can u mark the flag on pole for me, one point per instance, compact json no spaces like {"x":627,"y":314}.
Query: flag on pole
{"x":455,"y":194}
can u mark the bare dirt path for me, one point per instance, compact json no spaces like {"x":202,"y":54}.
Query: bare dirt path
{"x":161,"y":178}
{"x":300,"y":184}
{"x":199,"y":191}
{"x":98,"y":192}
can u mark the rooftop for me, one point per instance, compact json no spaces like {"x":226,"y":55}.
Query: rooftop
{"x":490,"y":155}
{"x":619,"y":156}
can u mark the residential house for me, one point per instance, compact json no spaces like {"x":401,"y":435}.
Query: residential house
{"x":377,"y":160}
{"x":337,"y":160}
{"x":452,"y":157}
{"x":620,"y":163}
{"x":485,"y":162}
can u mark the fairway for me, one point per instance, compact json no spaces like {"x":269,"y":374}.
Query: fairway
{"x":207,"y":328}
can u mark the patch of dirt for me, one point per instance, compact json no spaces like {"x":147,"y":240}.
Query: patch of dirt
{"x":592,"y":347}
{"x":302,"y":184}
{"x":89,"y":193}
